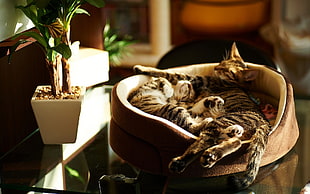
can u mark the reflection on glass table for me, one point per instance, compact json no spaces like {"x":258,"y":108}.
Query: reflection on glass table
{"x":91,"y":166}
{"x":31,"y":165}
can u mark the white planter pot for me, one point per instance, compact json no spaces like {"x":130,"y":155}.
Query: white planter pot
{"x":57,"y":119}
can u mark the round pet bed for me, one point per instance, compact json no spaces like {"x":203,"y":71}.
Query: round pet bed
{"x":149,"y":142}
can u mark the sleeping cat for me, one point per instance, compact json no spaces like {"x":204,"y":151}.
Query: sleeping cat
{"x":176,"y":103}
{"x":241,"y":116}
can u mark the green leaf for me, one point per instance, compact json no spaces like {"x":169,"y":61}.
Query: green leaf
{"x":115,"y":45}
{"x":72,"y":172}
{"x":51,"y":55}
{"x":82,"y":11}
{"x":14,"y":47}
{"x":42,"y":3}
{"x":96,"y":3}
{"x":34,"y":35}
{"x":63,"y":49}
{"x":112,"y":38}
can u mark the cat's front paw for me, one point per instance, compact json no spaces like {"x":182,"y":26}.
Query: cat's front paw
{"x":237,"y":130}
{"x":215,"y":105}
{"x":208,"y":159}
{"x":213,"y":102}
{"x":233,"y":131}
{"x":177,"y":165}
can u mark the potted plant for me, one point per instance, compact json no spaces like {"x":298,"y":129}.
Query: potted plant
{"x":117,"y":46}
{"x":52,"y":19}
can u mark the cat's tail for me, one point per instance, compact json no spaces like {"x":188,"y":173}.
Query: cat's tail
{"x":256,"y":150}
{"x":172,"y":77}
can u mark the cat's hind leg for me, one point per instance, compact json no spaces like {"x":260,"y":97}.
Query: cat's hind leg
{"x":217,"y":152}
{"x":255,"y":152}
{"x":204,"y":141}
{"x":228,"y":143}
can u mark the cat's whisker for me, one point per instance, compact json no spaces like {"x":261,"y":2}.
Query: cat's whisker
{"x":246,"y":141}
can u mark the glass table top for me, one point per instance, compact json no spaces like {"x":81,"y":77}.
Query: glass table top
{"x":91,"y":166}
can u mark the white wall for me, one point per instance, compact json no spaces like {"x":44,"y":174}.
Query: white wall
{"x":12,"y":20}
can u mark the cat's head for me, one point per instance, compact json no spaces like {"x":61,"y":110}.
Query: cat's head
{"x":234,"y":69}
{"x":184,"y":91}
{"x":163,"y":85}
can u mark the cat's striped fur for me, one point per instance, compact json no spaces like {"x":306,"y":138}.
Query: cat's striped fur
{"x":176,"y":103}
{"x":242,"y":122}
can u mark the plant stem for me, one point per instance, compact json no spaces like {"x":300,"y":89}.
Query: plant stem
{"x":66,"y":83}
{"x":66,"y":86}
{"x":53,"y":69}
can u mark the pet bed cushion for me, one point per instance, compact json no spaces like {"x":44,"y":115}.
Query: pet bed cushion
{"x":150,"y":142}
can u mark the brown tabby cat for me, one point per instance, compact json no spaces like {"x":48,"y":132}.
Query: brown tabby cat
{"x":176,"y":103}
{"x":241,"y":123}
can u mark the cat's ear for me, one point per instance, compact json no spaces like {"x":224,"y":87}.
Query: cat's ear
{"x":249,"y":74}
{"x":234,"y":53}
